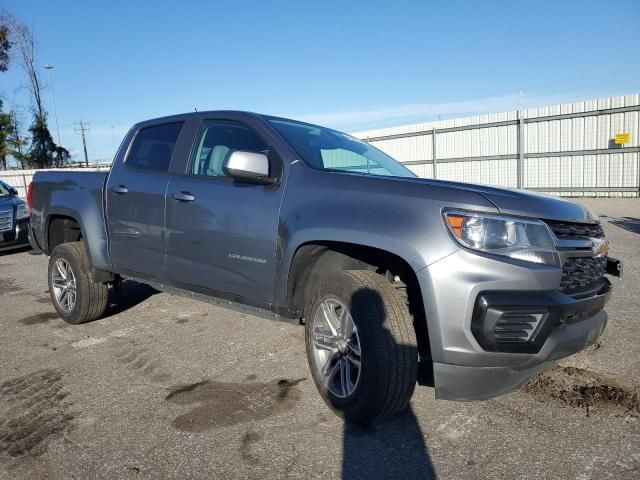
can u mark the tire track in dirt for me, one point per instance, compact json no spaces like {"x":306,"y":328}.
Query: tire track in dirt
{"x":33,"y":409}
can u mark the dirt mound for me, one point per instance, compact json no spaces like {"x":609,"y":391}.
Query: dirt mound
{"x":580,"y":388}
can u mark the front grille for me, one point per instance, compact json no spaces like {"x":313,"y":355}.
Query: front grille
{"x":6,"y":220}
{"x":565,"y":230}
{"x":581,"y":272}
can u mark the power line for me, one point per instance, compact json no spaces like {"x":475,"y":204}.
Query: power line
{"x":80,"y":130}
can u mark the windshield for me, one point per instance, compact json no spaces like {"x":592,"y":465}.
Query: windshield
{"x":325,"y":149}
{"x":4,"y":190}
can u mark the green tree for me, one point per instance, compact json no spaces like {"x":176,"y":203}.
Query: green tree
{"x":16,"y":143}
{"x":61,"y":156}
{"x":5,"y":45}
{"x":6,"y":130}
{"x":44,"y":153}
{"x":5,"y":118}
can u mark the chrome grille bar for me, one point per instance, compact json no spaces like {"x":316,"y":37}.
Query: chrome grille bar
{"x":6,"y":220}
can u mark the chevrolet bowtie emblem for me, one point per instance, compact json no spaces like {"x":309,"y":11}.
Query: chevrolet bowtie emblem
{"x":600,"y":247}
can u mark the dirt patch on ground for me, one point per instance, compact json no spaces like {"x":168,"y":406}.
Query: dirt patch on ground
{"x":7,"y":285}
{"x":580,"y":388}
{"x":140,"y":360}
{"x":38,"y":318}
{"x":33,"y":409}
{"x":218,"y":404}
{"x":43,"y":300}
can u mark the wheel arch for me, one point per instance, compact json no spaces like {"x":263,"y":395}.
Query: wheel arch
{"x":314,"y":259}
{"x":66,"y":225}
{"x":61,"y":228}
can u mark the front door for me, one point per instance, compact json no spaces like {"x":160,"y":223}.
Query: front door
{"x":221,"y":233}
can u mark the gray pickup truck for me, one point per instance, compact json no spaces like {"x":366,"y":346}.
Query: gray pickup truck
{"x":477,"y":288}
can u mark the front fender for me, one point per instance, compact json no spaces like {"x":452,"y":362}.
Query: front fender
{"x":402,"y":218}
{"x":308,"y":236}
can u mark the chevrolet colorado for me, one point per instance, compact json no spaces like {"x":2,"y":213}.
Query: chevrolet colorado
{"x":480,"y":287}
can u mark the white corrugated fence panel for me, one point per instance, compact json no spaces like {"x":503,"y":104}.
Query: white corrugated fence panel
{"x":571,"y":135}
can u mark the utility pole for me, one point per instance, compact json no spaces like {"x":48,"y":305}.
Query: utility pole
{"x":49,"y":67}
{"x":80,"y":130}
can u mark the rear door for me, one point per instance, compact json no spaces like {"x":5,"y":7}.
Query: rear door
{"x":135,"y":196}
{"x":221,"y":233}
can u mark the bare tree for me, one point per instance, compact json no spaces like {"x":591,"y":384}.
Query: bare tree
{"x":43,"y":152}
{"x":24,"y":45}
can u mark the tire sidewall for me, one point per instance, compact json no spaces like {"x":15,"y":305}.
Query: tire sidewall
{"x":79,"y":311}
{"x":369,"y":391}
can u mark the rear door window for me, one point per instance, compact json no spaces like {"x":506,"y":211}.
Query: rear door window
{"x":153,"y":147}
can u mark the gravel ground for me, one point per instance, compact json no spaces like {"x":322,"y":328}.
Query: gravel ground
{"x":169,"y":387}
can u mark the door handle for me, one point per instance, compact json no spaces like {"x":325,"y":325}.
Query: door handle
{"x":119,"y":189}
{"x":183,"y":197}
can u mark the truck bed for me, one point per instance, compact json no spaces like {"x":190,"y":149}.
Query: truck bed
{"x":79,"y":195}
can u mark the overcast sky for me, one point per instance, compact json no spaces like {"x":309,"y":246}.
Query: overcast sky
{"x":345,"y":64}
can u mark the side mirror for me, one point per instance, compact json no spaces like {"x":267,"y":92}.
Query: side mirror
{"x":247,"y":166}
{"x":13,"y":191}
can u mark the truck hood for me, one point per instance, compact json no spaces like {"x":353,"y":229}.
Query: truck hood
{"x":523,"y":203}
{"x":10,"y":201}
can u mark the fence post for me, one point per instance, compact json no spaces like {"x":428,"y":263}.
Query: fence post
{"x":520,"y":160}
{"x":24,"y":183}
{"x":433,"y":153}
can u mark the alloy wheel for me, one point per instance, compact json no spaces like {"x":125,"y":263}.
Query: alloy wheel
{"x":63,"y":282}
{"x":336,"y":348}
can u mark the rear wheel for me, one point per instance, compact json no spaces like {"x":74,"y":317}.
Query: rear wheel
{"x":75,"y":296}
{"x":361,"y":346}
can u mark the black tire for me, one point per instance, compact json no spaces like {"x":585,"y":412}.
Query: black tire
{"x":91,"y":297}
{"x":388,"y":348}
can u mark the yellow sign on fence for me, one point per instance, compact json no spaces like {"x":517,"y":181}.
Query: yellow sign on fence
{"x":622,"y":138}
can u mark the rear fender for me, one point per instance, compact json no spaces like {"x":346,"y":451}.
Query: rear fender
{"x":92,"y":230}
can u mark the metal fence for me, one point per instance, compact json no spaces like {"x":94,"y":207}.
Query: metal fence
{"x":567,"y":149}
{"x":20,"y":179}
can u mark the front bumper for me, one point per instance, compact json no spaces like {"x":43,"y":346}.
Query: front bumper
{"x":459,"y":382}
{"x":465,"y":296}
{"x":522,"y":322}
{"x":16,"y":238}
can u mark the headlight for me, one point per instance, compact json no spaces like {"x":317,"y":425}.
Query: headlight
{"x":522,"y":239}
{"x":22,"y":211}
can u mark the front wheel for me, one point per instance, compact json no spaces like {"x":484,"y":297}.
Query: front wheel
{"x":361,"y":346}
{"x":75,"y":295}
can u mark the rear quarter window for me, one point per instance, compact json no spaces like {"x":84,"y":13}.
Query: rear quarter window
{"x":153,"y":147}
